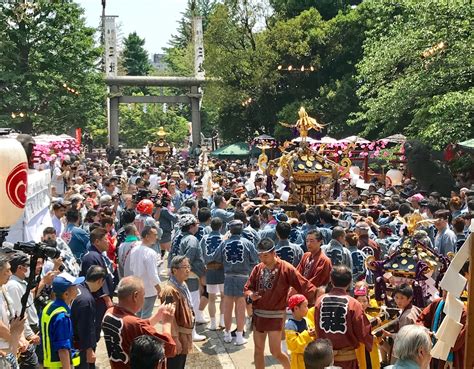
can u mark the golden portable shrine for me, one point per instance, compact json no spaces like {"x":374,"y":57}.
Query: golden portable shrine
{"x":415,"y":262}
{"x":304,"y":175}
{"x":160,"y":149}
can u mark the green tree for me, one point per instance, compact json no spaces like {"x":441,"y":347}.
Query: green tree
{"x":184,"y":35}
{"x":135,"y":57}
{"x":416,"y":74}
{"x":139,"y":127}
{"x":327,"y":8}
{"x":49,"y":80}
{"x":179,"y":57}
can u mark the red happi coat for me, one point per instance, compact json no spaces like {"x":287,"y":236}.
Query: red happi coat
{"x":315,"y":268}
{"x":341,"y":319}
{"x":273,"y":286}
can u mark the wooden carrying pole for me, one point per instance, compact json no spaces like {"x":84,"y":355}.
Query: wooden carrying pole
{"x":469,"y":348}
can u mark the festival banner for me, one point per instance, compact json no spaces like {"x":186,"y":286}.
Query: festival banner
{"x":37,"y":193}
{"x":110,"y":33}
{"x":198,"y":47}
{"x":79,"y":136}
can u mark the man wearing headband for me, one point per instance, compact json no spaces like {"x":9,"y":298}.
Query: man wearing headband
{"x":268,"y":287}
{"x":238,"y":255}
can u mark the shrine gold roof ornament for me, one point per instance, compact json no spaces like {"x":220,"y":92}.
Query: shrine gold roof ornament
{"x":304,"y":124}
{"x":307,"y":175}
{"x":161,"y":133}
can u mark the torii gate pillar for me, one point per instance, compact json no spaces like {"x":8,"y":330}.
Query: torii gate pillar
{"x":195,"y":97}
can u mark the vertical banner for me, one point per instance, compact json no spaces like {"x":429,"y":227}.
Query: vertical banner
{"x":79,"y":136}
{"x":110,"y":46}
{"x":198,"y":47}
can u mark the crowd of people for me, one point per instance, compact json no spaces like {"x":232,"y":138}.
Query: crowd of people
{"x":147,"y":252}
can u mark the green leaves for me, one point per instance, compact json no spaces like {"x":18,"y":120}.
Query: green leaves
{"x":407,"y":85}
{"x":135,"y":57}
{"x":139,"y":125}
{"x":45,"y":48}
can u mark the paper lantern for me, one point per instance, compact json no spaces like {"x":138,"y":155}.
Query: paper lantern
{"x":395,"y":176}
{"x":13,"y":181}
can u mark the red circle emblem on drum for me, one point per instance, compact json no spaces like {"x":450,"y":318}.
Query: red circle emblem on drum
{"x":16,"y":185}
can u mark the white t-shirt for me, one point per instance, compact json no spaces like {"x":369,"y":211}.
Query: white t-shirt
{"x":5,"y":316}
{"x":57,"y":181}
{"x":144,"y":264}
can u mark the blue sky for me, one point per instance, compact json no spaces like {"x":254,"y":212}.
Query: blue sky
{"x":155,"y":20}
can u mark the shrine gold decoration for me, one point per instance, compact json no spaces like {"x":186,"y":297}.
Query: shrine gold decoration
{"x":304,"y":124}
{"x":346,"y":164}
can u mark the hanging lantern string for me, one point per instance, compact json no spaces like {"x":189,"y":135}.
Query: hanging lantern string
{"x":70,"y":89}
{"x":22,"y":114}
{"x":292,"y":68}
{"x":246,"y":102}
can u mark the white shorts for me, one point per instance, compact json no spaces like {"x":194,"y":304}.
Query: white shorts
{"x":215,"y":288}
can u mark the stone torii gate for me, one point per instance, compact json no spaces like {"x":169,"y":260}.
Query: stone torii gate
{"x":193,"y":97}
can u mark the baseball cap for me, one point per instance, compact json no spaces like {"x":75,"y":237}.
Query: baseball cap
{"x":64,"y":280}
{"x":295,"y":300}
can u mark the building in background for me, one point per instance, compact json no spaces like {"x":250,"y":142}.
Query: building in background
{"x":158,"y":62}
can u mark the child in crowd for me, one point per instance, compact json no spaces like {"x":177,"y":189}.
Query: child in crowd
{"x":298,"y":330}
{"x":403,"y":296}
{"x":361,"y":294}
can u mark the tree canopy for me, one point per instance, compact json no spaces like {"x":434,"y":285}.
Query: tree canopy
{"x":134,"y":56}
{"x":369,"y":73}
{"x":49,"y":77}
{"x":415,"y":75}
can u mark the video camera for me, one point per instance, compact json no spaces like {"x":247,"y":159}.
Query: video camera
{"x":40,"y":249}
{"x":142,"y":194}
{"x":35,"y":250}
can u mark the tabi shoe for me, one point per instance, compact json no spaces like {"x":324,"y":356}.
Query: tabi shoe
{"x":213,"y":325}
{"x":239,"y":339}
{"x":227,"y":337}
{"x":198,"y":337}
{"x":201,"y":319}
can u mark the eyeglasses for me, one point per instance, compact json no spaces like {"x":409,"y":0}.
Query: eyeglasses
{"x":185,"y":267}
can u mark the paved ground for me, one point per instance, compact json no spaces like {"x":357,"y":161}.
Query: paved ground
{"x":210,"y":354}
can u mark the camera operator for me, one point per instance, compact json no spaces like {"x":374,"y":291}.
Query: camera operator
{"x":11,"y":327}
{"x":16,"y":288}
{"x":66,"y":262}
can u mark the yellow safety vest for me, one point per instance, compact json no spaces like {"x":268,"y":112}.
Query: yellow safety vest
{"x":45,"y":320}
